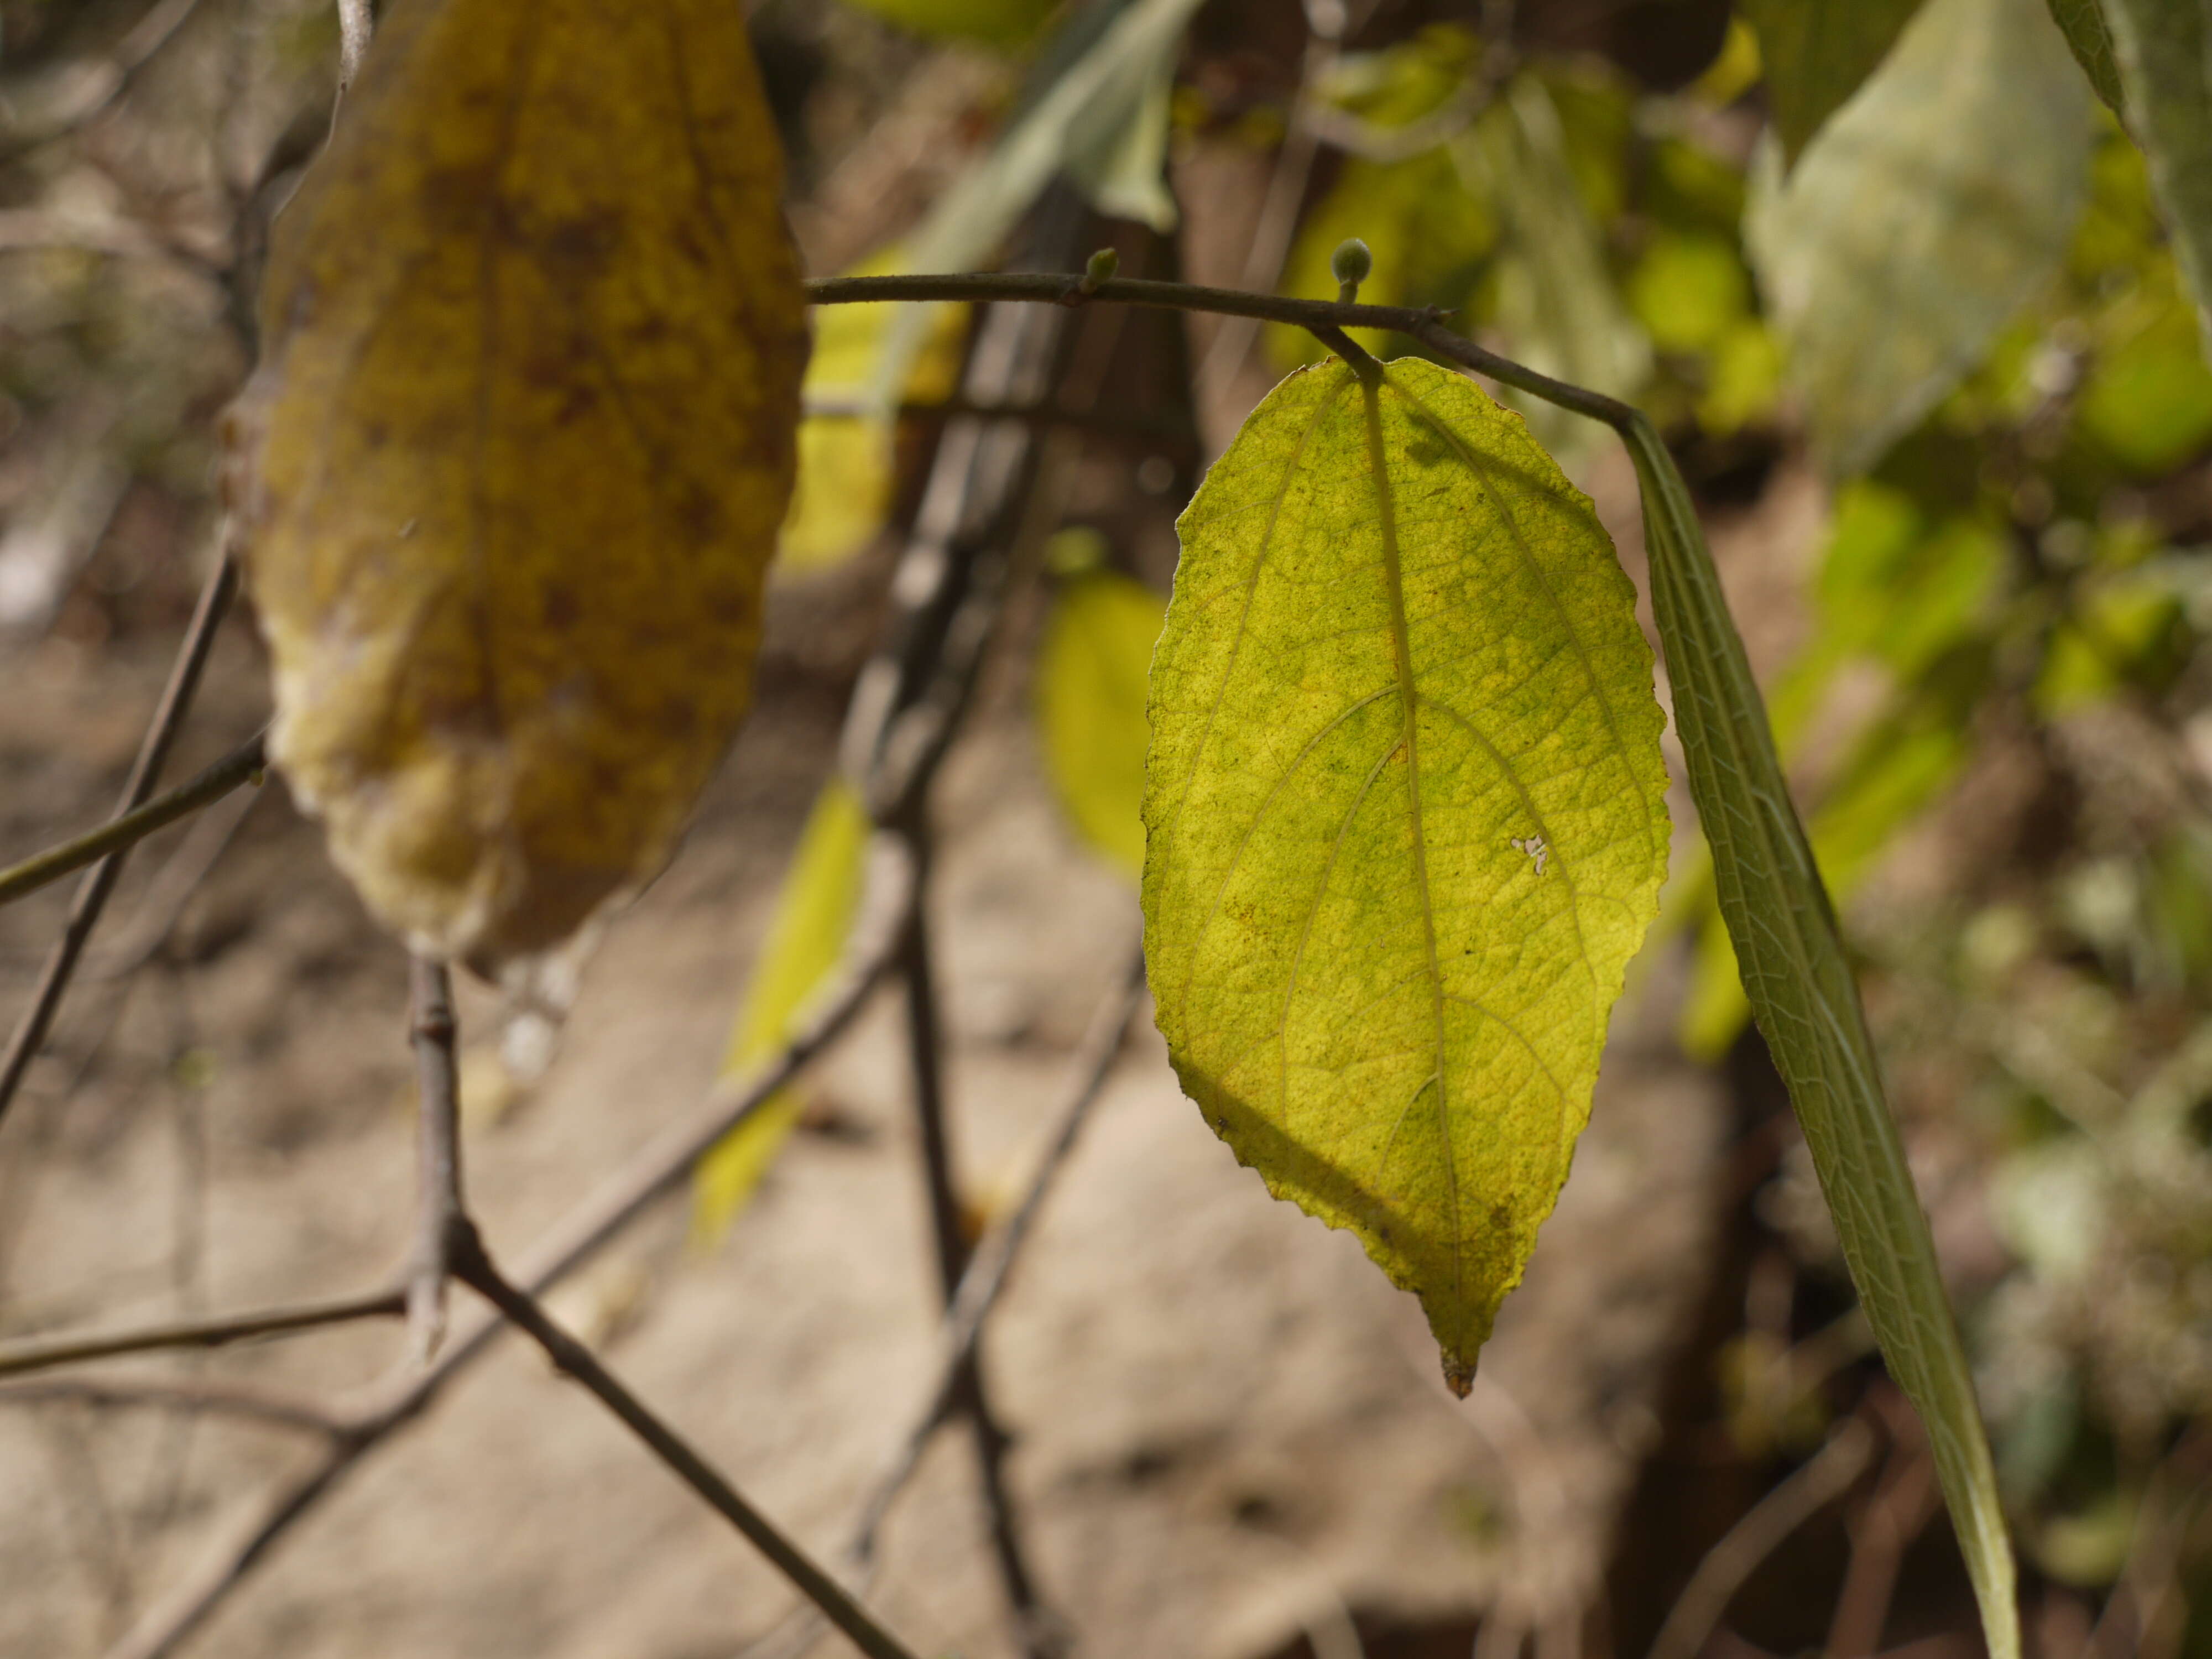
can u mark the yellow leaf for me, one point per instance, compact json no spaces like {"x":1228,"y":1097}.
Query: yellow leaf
{"x":847,"y":461}
{"x":821,"y":895}
{"x":1406,"y":820}
{"x":1097,"y":650}
{"x":509,"y":475}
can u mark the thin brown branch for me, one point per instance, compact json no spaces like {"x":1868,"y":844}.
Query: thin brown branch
{"x":1728,"y":1564}
{"x":45,"y":1352}
{"x":659,"y":1165}
{"x":243,"y":765}
{"x":439,"y":1210}
{"x":992,"y":1266}
{"x":213,"y":1398}
{"x":474,"y":1268}
{"x":99,"y":885}
{"x":1424,"y":325}
{"x":1039,"y":1632}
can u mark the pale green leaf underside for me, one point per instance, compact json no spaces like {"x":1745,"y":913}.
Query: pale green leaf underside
{"x":1817,"y":53}
{"x":1405,"y":821}
{"x":1922,"y":216}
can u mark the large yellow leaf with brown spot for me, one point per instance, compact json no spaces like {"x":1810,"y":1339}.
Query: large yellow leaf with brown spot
{"x":509,"y":477}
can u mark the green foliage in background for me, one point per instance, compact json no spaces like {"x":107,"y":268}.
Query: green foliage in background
{"x":1934,"y":206}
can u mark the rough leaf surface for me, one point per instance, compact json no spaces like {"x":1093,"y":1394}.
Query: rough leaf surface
{"x":509,"y":477}
{"x":1404,"y":824}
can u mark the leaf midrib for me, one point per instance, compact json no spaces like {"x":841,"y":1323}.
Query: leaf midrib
{"x":1409,"y":703}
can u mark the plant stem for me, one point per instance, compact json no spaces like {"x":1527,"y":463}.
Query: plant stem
{"x":926,"y":1051}
{"x":992,"y":1264}
{"x":439,"y":1209}
{"x":94,"y":892}
{"x":474,"y":1268}
{"x":43,"y":1353}
{"x":1425,"y":324}
{"x":664,"y":1160}
{"x":241,"y":766}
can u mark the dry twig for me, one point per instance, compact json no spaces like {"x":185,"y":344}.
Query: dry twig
{"x":94,"y":892}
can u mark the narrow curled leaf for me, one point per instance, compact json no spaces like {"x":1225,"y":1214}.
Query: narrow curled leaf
{"x":1091,"y":670}
{"x":1807,"y":1003}
{"x":814,"y":915}
{"x":1924,"y":215}
{"x":2090,"y":39}
{"x":1817,"y":53}
{"x":1405,"y":821}
{"x":509,"y":474}
{"x":2166,"y":79}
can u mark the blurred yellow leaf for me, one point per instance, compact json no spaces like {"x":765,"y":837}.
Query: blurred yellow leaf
{"x":509,"y":474}
{"x":847,"y":459}
{"x":993,"y":22}
{"x":1090,"y":673}
{"x":820,"y":897}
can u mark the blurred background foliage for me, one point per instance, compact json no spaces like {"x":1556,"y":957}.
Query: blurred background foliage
{"x":1994,"y":697}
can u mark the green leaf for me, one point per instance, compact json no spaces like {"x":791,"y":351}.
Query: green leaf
{"x":1817,"y":53}
{"x":1406,"y":820}
{"x":1090,"y":671}
{"x":2090,"y":39}
{"x":1806,"y":1005}
{"x":2166,"y":79}
{"x":1923,"y":217}
{"x":813,"y":915}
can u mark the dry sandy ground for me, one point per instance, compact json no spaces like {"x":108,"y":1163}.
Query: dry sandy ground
{"x":1229,"y":1427}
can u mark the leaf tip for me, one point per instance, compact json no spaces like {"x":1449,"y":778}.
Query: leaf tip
{"x":1459,"y":1373}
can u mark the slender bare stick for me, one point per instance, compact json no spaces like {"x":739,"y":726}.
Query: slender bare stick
{"x":438,"y":1209}
{"x":1037,"y":1630}
{"x":99,"y":885}
{"x":1425,"y":324}
{"x":654,"y":1168}
{"x":992,"y":1264}
{"x":242,"y":765}
{"x":1758,"y":1535}
{"x":43,"y":1353}
{"x":988,"y":1271}
{"x":219,"y":1398}
{"x":474,"y":1268}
